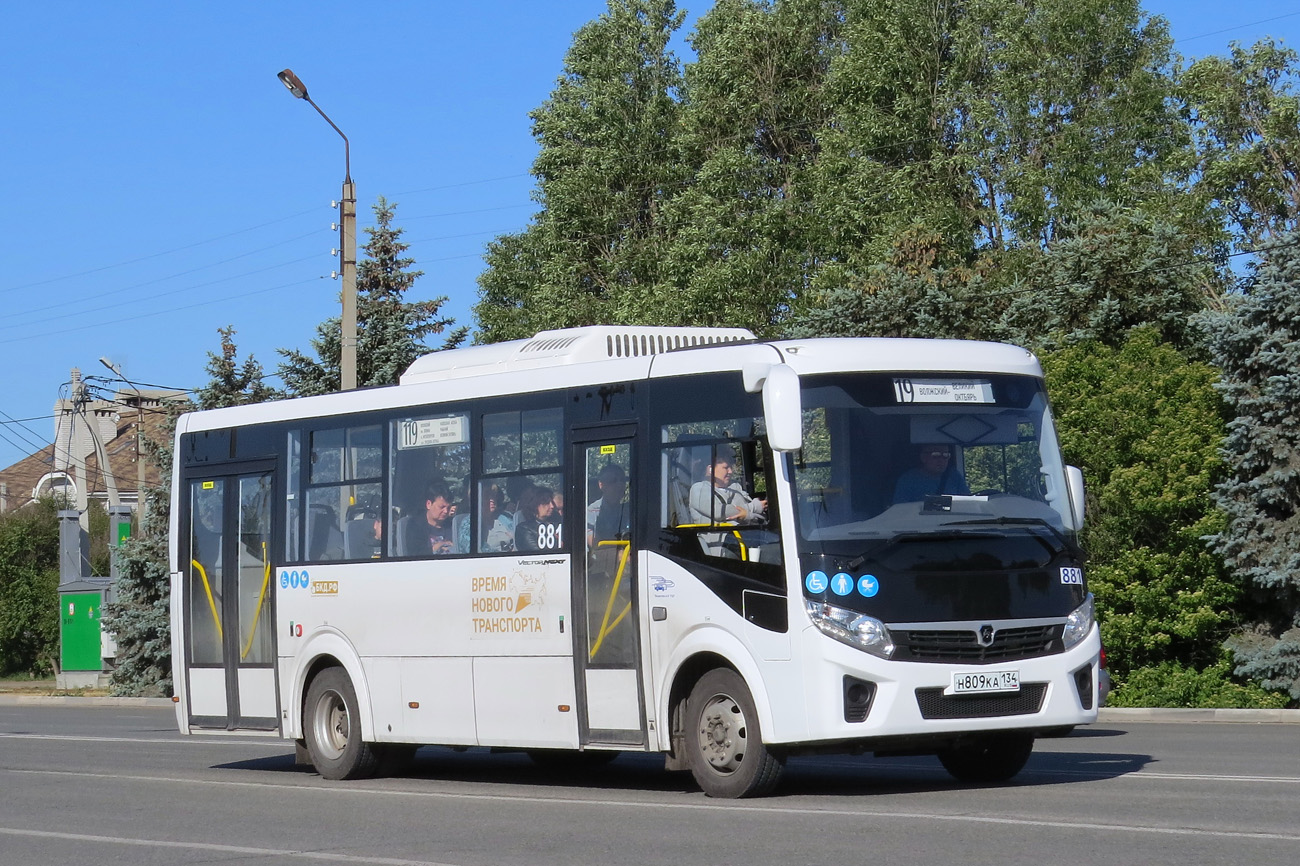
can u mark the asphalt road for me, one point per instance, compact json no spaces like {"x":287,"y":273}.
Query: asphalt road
{"x":118,"y":785}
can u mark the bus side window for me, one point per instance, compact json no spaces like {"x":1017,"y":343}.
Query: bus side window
{"x":715,"y":505}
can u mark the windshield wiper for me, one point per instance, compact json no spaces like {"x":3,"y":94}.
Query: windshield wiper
{"x":1014,"y":521}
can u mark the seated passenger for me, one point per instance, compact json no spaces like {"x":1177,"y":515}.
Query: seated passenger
{"x":935,"y":476}
{"x":432,"y":535}
{"x":536,"y":508}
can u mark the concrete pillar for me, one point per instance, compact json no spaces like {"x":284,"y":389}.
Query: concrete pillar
{"x":74,"y":547}
{"x":119,"y":530}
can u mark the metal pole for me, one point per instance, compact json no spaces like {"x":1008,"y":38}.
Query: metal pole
{"x":139,"y":433}
{"x":348,"y":228}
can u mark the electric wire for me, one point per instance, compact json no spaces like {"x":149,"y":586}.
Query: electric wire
{"x":1236,"y":27}
{"x":96,"y":270}
{"x":32,"y":436}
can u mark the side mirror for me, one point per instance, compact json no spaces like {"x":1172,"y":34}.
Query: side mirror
{"x":1074,"y":487}
{"x":783,"y":408}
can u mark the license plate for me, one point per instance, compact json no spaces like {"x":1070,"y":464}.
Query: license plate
{"x":983,"y":682}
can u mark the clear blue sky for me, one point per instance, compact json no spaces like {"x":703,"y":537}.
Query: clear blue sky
{"x":160,"y":183}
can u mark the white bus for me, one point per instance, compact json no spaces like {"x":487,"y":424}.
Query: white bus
{"x":605,"y":539}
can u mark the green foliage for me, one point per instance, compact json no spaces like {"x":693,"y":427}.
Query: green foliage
{"x":1170,"y":684}
{"x":812,"y":140}
{"x":606,"y":159}
{"x":139,"y":617}
{"x":29,"y":596}
{"x":1256,"y":343}
{"x":1144,"y":423}
{"x":390,"y":329}
{"x":1110,"y":270}
{"x":1245,"y":114}
{"x":232,"y":383}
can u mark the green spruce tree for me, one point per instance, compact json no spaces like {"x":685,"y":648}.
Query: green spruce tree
{"x":1256,"y":343}
{"x":139,"y":617}
{"x":391,"y":329}
{"x":233,"y":383}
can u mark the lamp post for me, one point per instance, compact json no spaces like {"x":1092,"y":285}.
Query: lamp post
{"x":348,"y":233}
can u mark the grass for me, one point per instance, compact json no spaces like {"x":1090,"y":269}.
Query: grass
{"x":45,"y":688}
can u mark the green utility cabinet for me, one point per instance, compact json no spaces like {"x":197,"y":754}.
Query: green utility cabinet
{"x":80,"y":635}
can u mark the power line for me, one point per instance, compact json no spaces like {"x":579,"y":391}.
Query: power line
{"x":1236,"y":27}
{"x":162,"y":279}
{"x":467,"y":212}
{"x":20,"y":426}
{"x":86,"y":310}
{"x":464,"y":183}
{"x":154,"y":313}
{"x":151,"y":255}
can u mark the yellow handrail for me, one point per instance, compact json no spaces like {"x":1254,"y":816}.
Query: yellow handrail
{"x":606,"y":626}
{"x":261,"y":596}
{"x":216,"y":618}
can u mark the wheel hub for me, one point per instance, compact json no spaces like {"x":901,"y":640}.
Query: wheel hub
{"x":722,"y":734}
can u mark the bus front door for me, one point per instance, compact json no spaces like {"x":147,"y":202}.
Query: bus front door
{"x":607,"y":642}
{"x":229,"y":599}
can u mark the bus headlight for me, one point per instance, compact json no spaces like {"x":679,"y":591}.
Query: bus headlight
{"x":855,"y":629}
{"x":1078,"y":623}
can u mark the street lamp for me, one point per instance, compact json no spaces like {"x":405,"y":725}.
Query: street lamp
{"x":348,"y":232}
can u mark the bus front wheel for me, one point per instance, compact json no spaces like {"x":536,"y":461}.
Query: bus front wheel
{"x":332,"y":723}
{"x":724,"y":744}
{"x":989,"y":759}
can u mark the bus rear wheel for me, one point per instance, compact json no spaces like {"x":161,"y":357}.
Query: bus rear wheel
{"x":332,"y":724}
{"x":724,"y":744}
{"x":991,"y":758}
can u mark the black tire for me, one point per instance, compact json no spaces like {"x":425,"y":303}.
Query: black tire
{"x":724,"y":744}
{"x":332,"y":724}
{"x":992,"y":758}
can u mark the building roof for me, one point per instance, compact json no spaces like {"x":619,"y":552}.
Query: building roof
{"x":22,"y":478}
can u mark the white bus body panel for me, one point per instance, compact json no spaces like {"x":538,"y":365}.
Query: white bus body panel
{"x":180,"y":687}
{"x":209,"y":686}
{"x":430,"y":638}
{"x":612,"y":701}
{"x":894,"y":711}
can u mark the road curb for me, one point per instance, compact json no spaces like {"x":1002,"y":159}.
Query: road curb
{"x":80,"y":701}
{"x":1169,"y":714}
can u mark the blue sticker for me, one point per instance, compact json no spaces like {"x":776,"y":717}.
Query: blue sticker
{"x":842,"y":584}
{"x":284,"y":580}
{"x":816,"y":581}
{"x":868,"y":585}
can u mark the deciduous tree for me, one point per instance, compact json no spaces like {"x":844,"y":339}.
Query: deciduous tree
{"x":607,"y":159}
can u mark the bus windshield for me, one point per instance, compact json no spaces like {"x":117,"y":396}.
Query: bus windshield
{"x":890,"y":454}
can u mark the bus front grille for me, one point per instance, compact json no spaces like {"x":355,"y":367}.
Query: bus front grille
{"x":963,"y":646}
{"x":934,"y":704}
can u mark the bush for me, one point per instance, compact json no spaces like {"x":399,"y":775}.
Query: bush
{"x":1170,"y":684}
{"x":29,"y":590}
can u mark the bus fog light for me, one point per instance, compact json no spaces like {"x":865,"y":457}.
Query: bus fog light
{"x":1078,"y":623}
{"x":848,"y":626}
